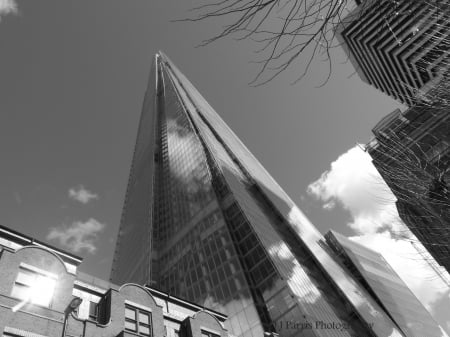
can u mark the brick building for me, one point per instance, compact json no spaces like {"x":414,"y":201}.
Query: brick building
{"x":38,"y":283}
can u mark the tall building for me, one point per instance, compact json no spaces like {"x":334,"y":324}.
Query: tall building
{"x":43,"y":294}
{"x":379,"y":279}
{"x":204,"y":220}
{"x":399,"y":47}
{"x":411,"y":151}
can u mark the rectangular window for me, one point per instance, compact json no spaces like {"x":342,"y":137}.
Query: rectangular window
{"x":138,"y":321}
{"x":34,"y":286}
{"x":93,"y":310}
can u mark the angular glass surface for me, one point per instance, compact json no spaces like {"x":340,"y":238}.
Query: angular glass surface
{"x":223,"y":232}
{"x":390,"y":290}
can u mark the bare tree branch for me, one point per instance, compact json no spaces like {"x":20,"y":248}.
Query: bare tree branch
{"x":294,"y":33}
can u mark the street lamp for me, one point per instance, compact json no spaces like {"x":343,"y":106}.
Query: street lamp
{"x":73,"y":305}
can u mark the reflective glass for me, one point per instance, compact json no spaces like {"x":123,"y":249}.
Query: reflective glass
{"x":20,"y":291}
{"x":34,"y":287}
{"x":390,"y":290}
{"x":199,"y":172}
{"x":26,"y":277}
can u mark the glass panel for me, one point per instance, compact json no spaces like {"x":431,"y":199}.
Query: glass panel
{"x":130,"y":326}
{"x":92,"y":310}
{"x":144,"y":330}
{"x":130,"y":313}
{"x":26,"y":277}
{"x":42,"y":290}
{"x":144,"y":318}
{"x":39,"y":292}
{"x":20,"y":291}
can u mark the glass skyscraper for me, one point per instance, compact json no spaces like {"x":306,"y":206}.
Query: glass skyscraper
{"x":392,"y":294}
{"x":411,"y":151}
{"x":203,"y":220}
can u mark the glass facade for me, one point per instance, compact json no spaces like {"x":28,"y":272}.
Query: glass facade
{"x":392,"y":294}
{"x":219,"y":231}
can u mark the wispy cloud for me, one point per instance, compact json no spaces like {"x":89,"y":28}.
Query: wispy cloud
{"x":79,"y":236}
{"x":8,"y":7}
{"x":353,"y":183}
{"x":17,"y":198}
{"x":81,"y":194}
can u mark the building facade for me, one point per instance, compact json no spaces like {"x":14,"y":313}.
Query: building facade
{"x":38,"y":283}
{"x":376,"y":275}
{"x":399,"y":47}
{"x":411,"y":151}
{"x":204,"y":220}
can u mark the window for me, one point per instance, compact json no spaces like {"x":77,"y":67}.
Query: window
{"x":34,"y":285}
{"x":437,"y":151}
{"x":209,"y":334}
{"x":93,"y":311}
{"x":138,"y":320}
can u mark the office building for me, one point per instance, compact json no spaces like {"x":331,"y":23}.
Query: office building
{"x":411,"y":151}
{"x":203,"y":220}
{"x":399,"y":47}
{"x":42,"y":294}
{"x":375,"y":274}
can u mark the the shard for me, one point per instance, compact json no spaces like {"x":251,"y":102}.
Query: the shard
{"x":204,"y":220}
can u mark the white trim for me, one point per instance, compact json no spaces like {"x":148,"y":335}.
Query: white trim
{"x":19,"y":332}
{"x":137,"y":305}
{"x":15,"y":235}
{"x":210,"y":330}
{"x":173,"y":316}
{"x":85,"y":285}
{"x":38,"y":270}
{"x":71,"y":269}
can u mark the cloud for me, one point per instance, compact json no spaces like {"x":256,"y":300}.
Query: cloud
{"x":7,"y":7}
{"x":17,"y":196}
{"x":81,"y":194}
{"x":79,"y":236}
{"x":354,"y":183}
